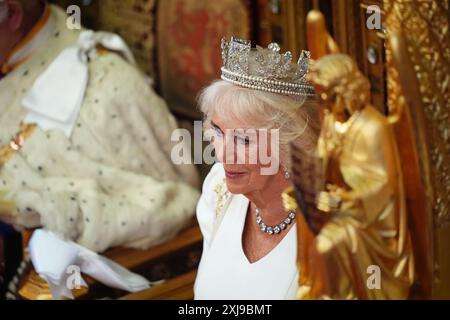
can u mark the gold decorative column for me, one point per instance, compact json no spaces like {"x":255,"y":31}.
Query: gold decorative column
{"x":418,"y":70}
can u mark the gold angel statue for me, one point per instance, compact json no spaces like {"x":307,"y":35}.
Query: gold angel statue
{"x":354,"y":241}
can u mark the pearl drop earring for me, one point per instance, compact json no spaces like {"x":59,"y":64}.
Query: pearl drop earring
{"x":287,"y":175}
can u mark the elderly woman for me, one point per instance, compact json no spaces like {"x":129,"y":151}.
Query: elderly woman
{"x":261,"y":105}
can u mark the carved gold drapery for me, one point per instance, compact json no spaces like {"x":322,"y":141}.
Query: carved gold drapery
{"x":418,"y":68}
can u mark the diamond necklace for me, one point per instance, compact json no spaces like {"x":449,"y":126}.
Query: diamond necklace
{"x":277,"y":228}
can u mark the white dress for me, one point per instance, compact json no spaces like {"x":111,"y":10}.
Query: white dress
{"x":224,"y":271}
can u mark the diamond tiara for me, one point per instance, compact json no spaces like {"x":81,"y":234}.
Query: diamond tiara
{"x":265,"y":69}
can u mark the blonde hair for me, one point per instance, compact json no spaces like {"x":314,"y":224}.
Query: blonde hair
{"x":296,"y":119}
